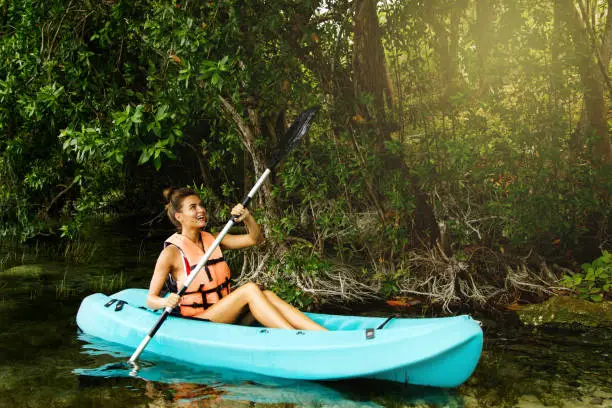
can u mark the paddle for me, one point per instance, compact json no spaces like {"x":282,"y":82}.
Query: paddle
{"x":294,"y":134}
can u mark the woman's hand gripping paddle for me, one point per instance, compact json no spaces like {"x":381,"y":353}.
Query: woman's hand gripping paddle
{"x":294,"y":134}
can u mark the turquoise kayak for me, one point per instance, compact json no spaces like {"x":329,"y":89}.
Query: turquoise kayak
{"x":439,"y":352}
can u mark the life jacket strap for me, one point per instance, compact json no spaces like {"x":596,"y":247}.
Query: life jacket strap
{"x":207,"y":269}
{"x":210,"y":262}
{"x":215,"y":261}
{"x":222,"y":286}
{"x":216,"y":289}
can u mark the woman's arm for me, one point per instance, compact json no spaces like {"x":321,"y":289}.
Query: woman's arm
{"x":164,"y":266}
{"x":253,"y":235}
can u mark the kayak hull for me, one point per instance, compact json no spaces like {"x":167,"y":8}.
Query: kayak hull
{"x":440,"y":352}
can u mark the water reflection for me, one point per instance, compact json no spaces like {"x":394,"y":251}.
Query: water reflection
{"x":176,"y":382}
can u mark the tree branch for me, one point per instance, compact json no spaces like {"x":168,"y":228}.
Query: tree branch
{"x":247,"y":136}
{"x":200,"y":162}
{"x":64,"y":191}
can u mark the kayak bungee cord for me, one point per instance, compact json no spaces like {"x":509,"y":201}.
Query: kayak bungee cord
{"x":294,"y":134}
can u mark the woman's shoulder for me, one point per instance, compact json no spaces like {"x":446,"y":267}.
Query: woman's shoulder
{"x":170,"y":252}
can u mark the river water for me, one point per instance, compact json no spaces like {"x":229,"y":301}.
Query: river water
{"x":46,"y":362}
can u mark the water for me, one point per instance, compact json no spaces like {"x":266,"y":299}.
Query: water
{"x":46,"y":362}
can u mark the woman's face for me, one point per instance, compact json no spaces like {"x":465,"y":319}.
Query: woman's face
{"x":192,"y":213}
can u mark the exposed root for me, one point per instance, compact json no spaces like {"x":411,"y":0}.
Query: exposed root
{"x":254,"y":265}
{"x":447,"y":281}
{"x":482,"y":280}
{"x":339,"y":284}
{"x":435,"y":276}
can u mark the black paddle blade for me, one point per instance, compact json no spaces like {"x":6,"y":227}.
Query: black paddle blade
{"x":294,"y":134}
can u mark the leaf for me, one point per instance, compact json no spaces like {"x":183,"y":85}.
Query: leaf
{"x":590,"y":276}
{"x":162,"y":113}
{"x":513,"y":306}
{"x":145,"y":156}
{"x":137,"y":116}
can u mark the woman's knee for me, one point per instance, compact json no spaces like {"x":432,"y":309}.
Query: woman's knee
{"x":269,"y":294}
{"x":251,"y":288}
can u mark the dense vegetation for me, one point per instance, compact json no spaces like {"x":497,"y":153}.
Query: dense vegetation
{"x":462,"y":151}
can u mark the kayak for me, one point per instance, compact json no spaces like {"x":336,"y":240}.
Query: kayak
{"x":438,"y":352}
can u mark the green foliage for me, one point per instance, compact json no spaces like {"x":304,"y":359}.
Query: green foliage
{"x":390,"y":287}
{"x":71,"y":229}
{"x":108,"y":284}
{"x":301,"y":262}
{"x":292,"y":294}
{"x":297,"y":260}
{"x":595,"y":280}
{"x":104,"y":103}
{"x":90,"y":90}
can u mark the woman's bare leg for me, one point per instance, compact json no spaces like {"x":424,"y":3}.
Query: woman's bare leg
{"x":245,"y":317}
{"x":296,"y":318}
{"x":228,"y":308}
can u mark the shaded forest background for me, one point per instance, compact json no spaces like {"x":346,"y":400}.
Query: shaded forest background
{"x":462,"y":151}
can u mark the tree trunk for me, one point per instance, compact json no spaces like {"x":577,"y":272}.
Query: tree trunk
{"x":370,"y":73}
{"x":447,"y":44}
{"x":593,"y":80}
{"x":249,"y":133}
{"x":484,"y":37}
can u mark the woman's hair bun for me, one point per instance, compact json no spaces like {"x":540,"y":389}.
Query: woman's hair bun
{"x":168,"y":193}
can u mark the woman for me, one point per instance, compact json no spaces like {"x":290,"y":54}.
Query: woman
{"x":209,"y":296}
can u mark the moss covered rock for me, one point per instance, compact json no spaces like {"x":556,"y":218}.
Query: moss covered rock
{"x":566,"y":311}
{"x":23,"y":271}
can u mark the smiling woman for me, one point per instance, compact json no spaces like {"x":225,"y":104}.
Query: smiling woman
{"x":209,"y":295}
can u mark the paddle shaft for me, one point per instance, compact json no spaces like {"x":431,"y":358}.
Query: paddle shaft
{"x":198,"y":267}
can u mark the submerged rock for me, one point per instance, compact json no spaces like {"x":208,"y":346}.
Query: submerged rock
{"x":23,"y":271}
{"x":566,"y":311}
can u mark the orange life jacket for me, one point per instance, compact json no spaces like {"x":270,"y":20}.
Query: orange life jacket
{"x":210,"y":285}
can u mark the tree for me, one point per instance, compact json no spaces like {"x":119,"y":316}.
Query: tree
{"x":592,"y":48}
